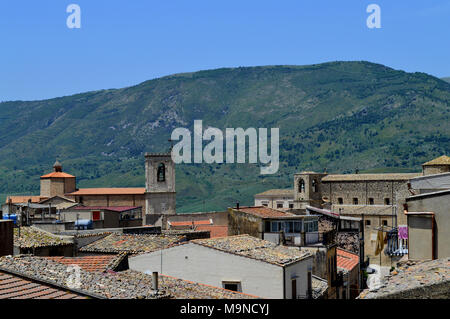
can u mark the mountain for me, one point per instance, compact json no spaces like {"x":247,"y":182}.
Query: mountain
{"x":338,"y":115}
{"x":446,"y":79}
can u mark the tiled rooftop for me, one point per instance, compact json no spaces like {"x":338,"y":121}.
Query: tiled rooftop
{"x":277,"y":192}
{"x":15,"y":287}
{"x":369,"y":177}
{"x":252,"y":247}
{"x":264,"y":212}
{"x":91,"y":263}
{"x":57,"y":175}
{"x":346,"y":260}
{"x":109,"y":191}
{"x":382,"y":210}
{"x":31,"y":237}
{"x":319,"y":287}
{"x":441,"y":160}
{"x":24,"y":199}
{"x":118,"y":209}
{"x":422,"y":280}
{"x":214,"y":230}
{"x":133,"y":244}
{"x":117,"y":285}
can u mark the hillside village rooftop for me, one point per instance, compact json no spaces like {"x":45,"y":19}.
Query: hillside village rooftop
{"x":116,"y":285}
{"x":31,"y":237}
{"x":252,"y":247}
{"x":133,"y":244}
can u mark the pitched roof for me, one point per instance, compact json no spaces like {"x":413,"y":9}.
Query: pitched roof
{"x":133,"y":244}
{"x":108,"y":191}
{"x":31,"y":237}
{"x":15,"y":287}
{"x":119,"y":209}
{"x":214,"y":230}
{"x":441,"y":160}
{"x":277,"y":192}
{"x":346,"y":259}
{"x":264,"y":212}
{"x":127,"y":284}
{"x":57,"y":175}
{"x":414,"y":280}
{"x":382,"y":210}
{"x":369,"y":177}
{"x":25,"y":198}
{"x":98,"y":263}
{"x":252,"y":247}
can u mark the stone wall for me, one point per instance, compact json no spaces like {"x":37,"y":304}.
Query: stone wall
{"x":242,"y":223}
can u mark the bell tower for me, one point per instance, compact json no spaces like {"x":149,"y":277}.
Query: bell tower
{"x":160,"y":193}
{"x":308,"y":189}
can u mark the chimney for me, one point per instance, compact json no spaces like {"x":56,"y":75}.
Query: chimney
{"x":357,"y":171}
{"x":6,"y":237}
{"x":155,"y":281}
{"x":237,"y":205}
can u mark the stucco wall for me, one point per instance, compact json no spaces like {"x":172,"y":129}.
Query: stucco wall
{"x":210,"y":266}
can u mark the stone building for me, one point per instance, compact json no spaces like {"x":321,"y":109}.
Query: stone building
{"x":275,"y":198}
{"x":160,"y":194}
{"x":437,"y":166}
{"x":157,"y":198}
{"x":377,"y":199}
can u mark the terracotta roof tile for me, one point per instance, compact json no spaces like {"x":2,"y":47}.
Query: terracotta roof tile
{"x":24,"y":199}
{"x":215,"y":230}
{"x":346,"y":259}
{"x":369,"y":177}
{"x":57,"y":175}
{"x":118,"y":209}
{"x":14,"y":287}
{"x":264,"y":212}
{"x":255,"y":248}
{"x":98,"y":263}
{"x":109,"y":191}
{"x":277,"y":192}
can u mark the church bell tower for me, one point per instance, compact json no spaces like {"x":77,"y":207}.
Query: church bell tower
{"x":160,"y":194}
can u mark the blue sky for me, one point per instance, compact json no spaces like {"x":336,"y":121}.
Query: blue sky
{"x":122,"y":43}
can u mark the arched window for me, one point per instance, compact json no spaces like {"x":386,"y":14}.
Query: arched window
{"x":301,"y":186}
{"x":314,"y":185}
{"x":161,"y":176}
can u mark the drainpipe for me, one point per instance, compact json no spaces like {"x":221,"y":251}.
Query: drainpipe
{"x":155,"y":281}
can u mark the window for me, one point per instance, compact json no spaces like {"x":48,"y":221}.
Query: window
{"x":314,"y":185}
{"x":367,"y":222}
{"x":370,"y":201}
{"x":291,"y":205}
{"x":265,"y":204}
{"x":387,"y":201}
{"x":355,"y":201}
{"x":232,"y":285}
{"x":385,"y":223}
{"x":301,"y":186}
{"x":279,"y":205}
{"x":286,"y":226}
{"x":311,"y":226}
{"x":161,"y":175}
{"x":340,"y":201}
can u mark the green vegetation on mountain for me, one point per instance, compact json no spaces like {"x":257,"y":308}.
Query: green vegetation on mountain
{"x":446,"y":79}
{"x":339,"y":115}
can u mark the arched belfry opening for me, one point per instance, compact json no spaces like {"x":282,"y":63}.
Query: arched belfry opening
{"x":161,"y":174}
{"x":301,"y":186}
{"x":314,"y":186}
